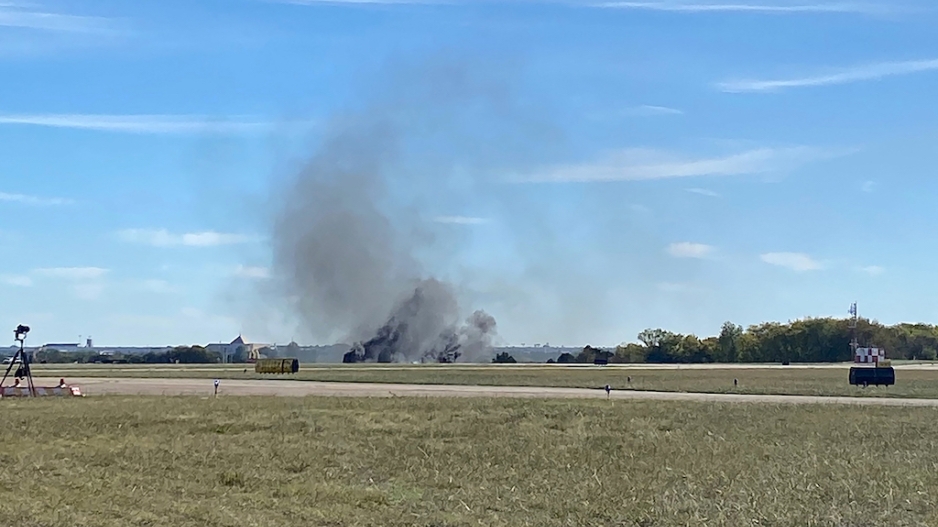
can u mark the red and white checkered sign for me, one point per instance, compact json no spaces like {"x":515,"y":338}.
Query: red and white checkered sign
{"x":870,"y":355}
{"x":23,"y":391}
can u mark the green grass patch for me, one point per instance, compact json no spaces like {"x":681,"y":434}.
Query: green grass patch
{"x":453,"y":462}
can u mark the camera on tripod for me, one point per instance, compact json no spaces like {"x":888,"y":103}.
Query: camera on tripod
{"x":20,"y":332}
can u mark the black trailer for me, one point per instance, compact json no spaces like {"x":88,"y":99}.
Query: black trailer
{"x":875,"y":376}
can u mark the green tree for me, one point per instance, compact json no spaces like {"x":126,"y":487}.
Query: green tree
{"x":590,"y":354}
{"x":805,"y":340}
{"x":51,"y":356}
{"x":662,"y":347}
{"x":629,"y":353}
{"x":728,"y":342}
{"x":566,"y":358}
{"x":504,"y":358}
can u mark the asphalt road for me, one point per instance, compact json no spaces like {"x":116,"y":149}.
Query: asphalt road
{"x":204,"y":387}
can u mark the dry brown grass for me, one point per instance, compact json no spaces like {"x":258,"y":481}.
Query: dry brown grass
{"x":442,"y":462}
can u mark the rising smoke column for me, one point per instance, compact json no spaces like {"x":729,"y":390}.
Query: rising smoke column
{"x":345,"y":253}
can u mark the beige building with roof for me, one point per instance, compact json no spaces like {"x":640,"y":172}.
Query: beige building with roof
{"x":237,"y":346}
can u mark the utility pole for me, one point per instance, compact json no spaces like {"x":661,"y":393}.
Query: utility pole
{"x":853,"y":329}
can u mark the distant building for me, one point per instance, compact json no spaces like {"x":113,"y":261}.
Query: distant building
{"x":251,"y":351}
{"x":61,"y":347}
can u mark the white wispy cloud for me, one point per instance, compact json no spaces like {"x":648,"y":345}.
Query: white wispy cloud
{"x":648,"y":109}
{"x":645,"y":110}
{"x":164,"y":238}
{"x":867,"y":186}
{"x":690,"y":250}
{"x":873,"y":270}
{"x":766,"y":8}
{"x":645,"y":164}
{"x":677,"y":287}
{"x":361,"y":2}
{"x":73,"y":273}
{"x":158,"y":286}
{"x":25,"y":16}
{"x":202,"y":317}
{"x":145,"y":124}
{"x":253,"y":272}
{"x":32,"y":200}
{"x":16,"y":280}
{"x":860,"y":73}
{"x":88,"y":291}
{"x":703,"y":192}
{"x":460,"y":220}
{"x":795,"y":261}
{"x":679,"y":7}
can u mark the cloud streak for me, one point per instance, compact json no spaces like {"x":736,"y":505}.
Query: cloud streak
{"x":677,"y":287}
{"x":16,"y":280}
{"x":651,"y":110}
{"x":674,"y":7}
{"x":765,"y":8}
{"x":18,"y":16}
{"x":32,"y":200}
{"x":164,"y":238}
{"x":255,"y":273}
{"x":703,"y":192}
{"x":799,"y":262}
{"x":158,"y":286}
{"x":142,"y":124}
{"x":363,"y":2}
{"x":689,"y":250}
{"x":644,"y":164}
{"x":460,"y":220}
{"x":89,"y":291}
{"x":73,"y":273}
{"x":866,"y":72}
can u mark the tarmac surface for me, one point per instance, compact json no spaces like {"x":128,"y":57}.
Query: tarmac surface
{"x":93,"y":386}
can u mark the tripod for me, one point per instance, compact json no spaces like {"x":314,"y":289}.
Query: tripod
{"x":21,"y":356}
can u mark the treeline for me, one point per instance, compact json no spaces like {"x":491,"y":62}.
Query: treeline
{"x":181,"y":354}
{"x":808,"y":340}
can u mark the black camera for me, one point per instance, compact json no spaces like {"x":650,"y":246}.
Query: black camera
{"x":20,"y":332}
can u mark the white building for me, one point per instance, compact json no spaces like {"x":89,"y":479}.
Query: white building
{"x":236,"y":347}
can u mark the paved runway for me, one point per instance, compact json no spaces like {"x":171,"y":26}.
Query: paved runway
{"x":138,"y":386}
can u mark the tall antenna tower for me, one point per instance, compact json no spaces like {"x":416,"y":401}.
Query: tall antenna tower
{"x":854,"y":344}
{"x":880,"y":372}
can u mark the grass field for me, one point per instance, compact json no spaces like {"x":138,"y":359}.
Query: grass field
{"x":824,"y":381}
{"x":187,"y":462}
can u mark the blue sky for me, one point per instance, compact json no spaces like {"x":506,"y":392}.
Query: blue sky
{"x":688,"y":162}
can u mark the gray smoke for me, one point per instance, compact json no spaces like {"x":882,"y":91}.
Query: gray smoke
{"x":423,"y":328}
{"x":345,"y":248}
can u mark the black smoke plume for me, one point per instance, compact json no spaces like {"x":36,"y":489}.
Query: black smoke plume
{"x":416,"y":333}
{"x":346,"y":244}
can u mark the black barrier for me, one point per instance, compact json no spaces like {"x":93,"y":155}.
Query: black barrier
{"x":872,"y":376}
